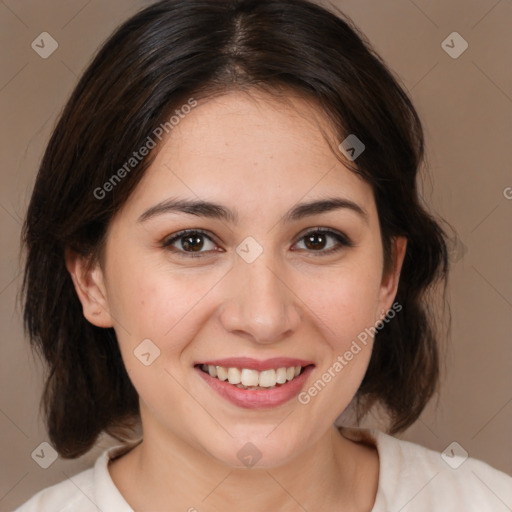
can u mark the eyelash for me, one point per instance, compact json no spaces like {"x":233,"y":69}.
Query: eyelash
{"x":342,"y":240}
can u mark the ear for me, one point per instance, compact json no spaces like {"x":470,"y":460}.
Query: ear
{"x":390,"y":279}
{"x":90,"y":287}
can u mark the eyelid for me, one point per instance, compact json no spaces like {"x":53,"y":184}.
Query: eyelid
{"x":328,"y":231}
{"x":342,"y":239}
{"x":169,"y":240}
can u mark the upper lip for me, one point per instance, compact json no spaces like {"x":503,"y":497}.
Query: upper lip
{"x":256,"y":364}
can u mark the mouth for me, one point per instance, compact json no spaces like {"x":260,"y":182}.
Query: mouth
{"x":247,"y":378}
{"x":254,"y":384}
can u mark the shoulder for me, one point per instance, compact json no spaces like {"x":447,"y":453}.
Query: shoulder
{"x":415,"y":478}
{"x":70,"y":495}
{"x":91,"y":490}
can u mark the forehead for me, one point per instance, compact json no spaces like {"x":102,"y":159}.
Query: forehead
{"x":251,"y":150}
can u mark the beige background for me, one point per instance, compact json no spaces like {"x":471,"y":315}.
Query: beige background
{"x":466,"y":106}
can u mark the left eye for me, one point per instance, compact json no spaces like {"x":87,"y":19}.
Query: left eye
{"x":318,"y":241}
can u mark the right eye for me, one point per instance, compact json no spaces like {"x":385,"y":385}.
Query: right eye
{"x":190,"y":243}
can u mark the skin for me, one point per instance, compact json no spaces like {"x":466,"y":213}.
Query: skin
{"x":247,"y":152}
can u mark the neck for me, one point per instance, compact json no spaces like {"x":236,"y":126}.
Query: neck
{"x":164,"y":470}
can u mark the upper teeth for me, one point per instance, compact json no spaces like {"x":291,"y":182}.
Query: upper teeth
{"x":247,"y":377}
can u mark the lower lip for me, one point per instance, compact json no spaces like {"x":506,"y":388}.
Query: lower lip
{"x":257,"y":398}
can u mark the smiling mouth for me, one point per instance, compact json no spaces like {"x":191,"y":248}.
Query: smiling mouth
{"x":245,"y":378}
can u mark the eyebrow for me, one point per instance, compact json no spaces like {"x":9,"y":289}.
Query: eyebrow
{"x":217,"y":211}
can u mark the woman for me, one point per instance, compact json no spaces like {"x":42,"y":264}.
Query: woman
{"x":225,"y":251}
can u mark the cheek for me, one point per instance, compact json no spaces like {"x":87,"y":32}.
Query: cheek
{"x":344,"y":315}
{"x":343,"y":310}
{"x":345,"y":302}
{"x":150,"y":304}
{"x":158,"y":302}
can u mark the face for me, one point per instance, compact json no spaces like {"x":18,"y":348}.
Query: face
{"x":267,"y":284}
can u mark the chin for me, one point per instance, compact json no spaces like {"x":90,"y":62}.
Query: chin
{"x":254,"y":448}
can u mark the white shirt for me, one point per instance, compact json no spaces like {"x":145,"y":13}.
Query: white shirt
{"x":412,"y":478}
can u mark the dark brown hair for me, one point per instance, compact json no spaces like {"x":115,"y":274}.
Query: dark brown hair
{"x":172,"y":51}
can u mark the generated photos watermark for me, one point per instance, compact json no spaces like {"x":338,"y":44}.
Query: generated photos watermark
{"x":343,"y":360}
{"x":144,"y":150}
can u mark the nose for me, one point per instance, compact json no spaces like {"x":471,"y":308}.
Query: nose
{"x":260,"y":306}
